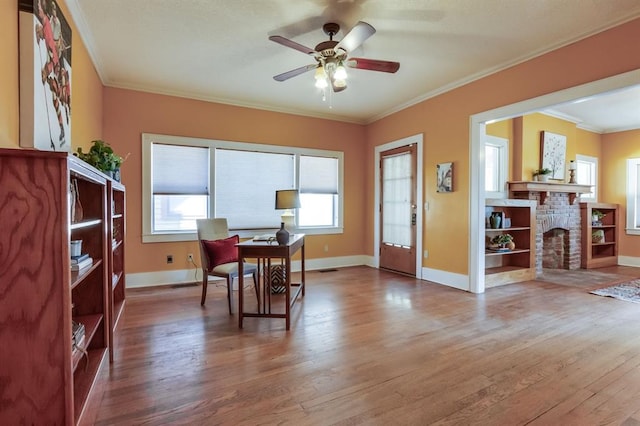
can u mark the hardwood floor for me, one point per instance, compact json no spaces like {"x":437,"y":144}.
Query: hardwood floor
{"x":370,"y":347}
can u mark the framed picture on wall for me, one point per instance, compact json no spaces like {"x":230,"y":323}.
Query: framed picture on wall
{"x":45,"y":76}
{"x":553,"y":153}
{"x":445,"y":177}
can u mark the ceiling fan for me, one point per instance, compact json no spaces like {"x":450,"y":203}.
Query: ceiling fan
{"x":332,"y":56}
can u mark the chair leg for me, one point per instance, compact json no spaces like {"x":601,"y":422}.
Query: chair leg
{"x":230,"y":293}
{"x":205,"y":279}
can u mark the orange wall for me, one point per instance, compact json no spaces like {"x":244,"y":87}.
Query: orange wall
{"x":128,"y":114}
{"x":618,"y":148}
{"x":120,"y":116}
{"x":444,"y":121}
{"x":579,"y":141}
{"x":533,"y":126}
{"x":86,"y":87}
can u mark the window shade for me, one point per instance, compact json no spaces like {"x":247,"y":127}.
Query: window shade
{"x":318,"y":175}
{"x":180,"y":170}
{"x":246,"y":184}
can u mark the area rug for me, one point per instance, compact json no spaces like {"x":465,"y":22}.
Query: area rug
{"x":629,"y":291}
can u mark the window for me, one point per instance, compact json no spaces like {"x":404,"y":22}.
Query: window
{"x":587,"y":174}
{"x":633,"y":196}
{"x":318,"y":191}
{"x":187,"y":178}
{"x":180,"y":186}
{"x":496,"y":151}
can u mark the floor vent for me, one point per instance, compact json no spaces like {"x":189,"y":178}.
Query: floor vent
{"x":327,"y":270}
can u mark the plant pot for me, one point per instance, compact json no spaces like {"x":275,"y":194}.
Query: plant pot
{"x":543,"y":178}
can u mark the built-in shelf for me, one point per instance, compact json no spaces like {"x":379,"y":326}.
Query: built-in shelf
{"x":597,"y":254}
{"x":504,"y":267}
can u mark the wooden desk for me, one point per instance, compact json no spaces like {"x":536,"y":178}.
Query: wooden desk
{"x":264,"y":253}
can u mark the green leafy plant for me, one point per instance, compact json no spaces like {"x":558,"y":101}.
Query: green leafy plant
{"x":101,"y":156}
{"x":598,"y":214}
{"x":502,"y":239}
{"x":542,"y":171}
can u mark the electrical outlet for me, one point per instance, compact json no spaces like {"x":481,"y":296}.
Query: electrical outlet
{"x":326,"y":247}
{"x":169,"y":258}
{"x":190,"y":258}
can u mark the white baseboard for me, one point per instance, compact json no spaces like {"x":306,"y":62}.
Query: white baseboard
{"x":187,"y":276}
{"x":629,"y":261}
{"x":450,"y":279}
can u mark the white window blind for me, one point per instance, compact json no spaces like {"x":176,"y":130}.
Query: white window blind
{"x":246,"y":184}
{"x":180,"y":187}
{"x":180,"y":170}
{"x":318,"y":175}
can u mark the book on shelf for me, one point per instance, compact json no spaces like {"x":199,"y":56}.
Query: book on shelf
{"x":85,"y":263}
{"x":77,"y":259}
{"x":265,"y":237}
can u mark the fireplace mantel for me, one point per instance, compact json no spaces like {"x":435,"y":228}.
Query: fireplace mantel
{"x":544,"y":188}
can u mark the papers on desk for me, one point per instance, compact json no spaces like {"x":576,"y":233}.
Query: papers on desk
{"x":264,"y":237}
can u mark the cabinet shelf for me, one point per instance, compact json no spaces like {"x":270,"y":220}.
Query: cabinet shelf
{"x":91,"y":324}
{"x":602,"y":253}
{"x":58,"y":379}
{"x":505,"y":253}
{"x":505,"y":267}
{"x":78,"y":276}
{"x":85,"y":224}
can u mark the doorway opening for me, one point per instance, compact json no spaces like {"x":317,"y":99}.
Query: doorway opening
{"x":477,"y":161}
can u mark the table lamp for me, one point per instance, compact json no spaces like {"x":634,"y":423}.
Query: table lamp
{"x":287,"y":200}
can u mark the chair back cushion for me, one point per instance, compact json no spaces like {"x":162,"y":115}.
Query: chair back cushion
{"x":221,"y":251}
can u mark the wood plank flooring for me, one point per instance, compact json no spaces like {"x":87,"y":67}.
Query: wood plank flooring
{"x":370,"y":347}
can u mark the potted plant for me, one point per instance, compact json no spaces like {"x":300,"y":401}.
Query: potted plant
{"x":102,"y":157}
{"x":542,"y":174}
{"x":596,"y":217}
{"x":503,"y":241}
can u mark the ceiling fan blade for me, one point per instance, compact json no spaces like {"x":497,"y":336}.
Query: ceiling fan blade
{"x":354,"y":38}
{"x":292,"y":44}
{"x":373,"y":65}
{"x":287,"y":75}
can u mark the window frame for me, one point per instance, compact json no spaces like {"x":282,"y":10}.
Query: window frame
{"x":633,"y":196}
{"x":148,"y":139}
{"x":502,"y":144}
{"x":594,"y":162}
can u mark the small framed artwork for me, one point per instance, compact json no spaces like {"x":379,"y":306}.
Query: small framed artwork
{"x":45,"y":76}
{"x":445,"y":177}
{"x":553,"y":154}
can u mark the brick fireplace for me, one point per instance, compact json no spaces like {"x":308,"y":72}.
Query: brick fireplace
{"x":558,"y":225}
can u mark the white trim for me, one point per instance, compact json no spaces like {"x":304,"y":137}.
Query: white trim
{"x":476,"y":174}
{"x":629,"y":261}
{"x":449,"y":279}
{"x":415,"y":139}
{"x":188,"y":276}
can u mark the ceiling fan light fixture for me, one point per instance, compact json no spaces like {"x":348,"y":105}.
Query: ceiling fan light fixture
{"x":339,"y":82}
{"x":321,"y":78}
{"x":340,"y":73}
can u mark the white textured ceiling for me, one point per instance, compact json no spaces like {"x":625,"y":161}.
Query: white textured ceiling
{"x":218,"y":50}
